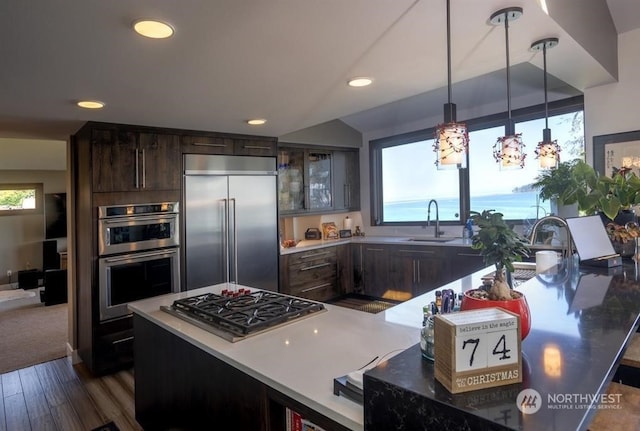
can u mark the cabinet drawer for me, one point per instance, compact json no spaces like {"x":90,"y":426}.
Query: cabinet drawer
{"x":207,"y":145}
{"x":306,"y":257}
{"x":322,"y":290}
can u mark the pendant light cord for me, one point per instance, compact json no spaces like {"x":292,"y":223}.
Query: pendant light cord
{"x":449,"y":50}
{"x":506,"y":38}
{"x":546,"y":100}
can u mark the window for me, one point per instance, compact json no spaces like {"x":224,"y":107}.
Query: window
{"x":405,"y":177}
{"x":20,"y":199}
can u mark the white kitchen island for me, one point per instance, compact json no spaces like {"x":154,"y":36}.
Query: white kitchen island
{"x":298,"y":360}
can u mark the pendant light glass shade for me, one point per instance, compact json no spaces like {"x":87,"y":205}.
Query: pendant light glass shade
{"x":547,"y":151}
{"x":508,"y":151}
{"x":451,"y":137}
{"x":452,"y":140}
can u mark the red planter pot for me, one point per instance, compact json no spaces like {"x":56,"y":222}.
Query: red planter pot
{"x":517,"y":306}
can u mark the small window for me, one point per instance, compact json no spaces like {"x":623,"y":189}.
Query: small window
{"x":20,"y":199}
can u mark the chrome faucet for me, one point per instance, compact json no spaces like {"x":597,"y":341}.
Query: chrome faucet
{"x":433,"y":201}
{"x":567,"y":250}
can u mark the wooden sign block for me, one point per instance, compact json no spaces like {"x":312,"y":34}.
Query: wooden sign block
{"x":477,"y":349}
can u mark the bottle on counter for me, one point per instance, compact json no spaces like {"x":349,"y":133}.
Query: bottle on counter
{"x":426,"y":334}
{"x":467,"y":231}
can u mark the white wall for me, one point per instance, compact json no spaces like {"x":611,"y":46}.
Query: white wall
{"x":22,"y":235}
{"x":613,"y":108}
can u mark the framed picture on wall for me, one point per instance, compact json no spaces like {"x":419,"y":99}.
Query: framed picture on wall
{"x":617,"y":150}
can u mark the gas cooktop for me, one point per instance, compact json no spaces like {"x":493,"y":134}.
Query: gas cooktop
{"x":237,"y":314}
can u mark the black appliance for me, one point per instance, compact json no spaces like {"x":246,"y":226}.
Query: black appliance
{"x":235,"y":315}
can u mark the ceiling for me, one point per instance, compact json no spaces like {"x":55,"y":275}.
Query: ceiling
{"x":284,"y":60}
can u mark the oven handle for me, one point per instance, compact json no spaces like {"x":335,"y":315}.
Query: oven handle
{"x":140,"y":255}
{"x":128,"y":219}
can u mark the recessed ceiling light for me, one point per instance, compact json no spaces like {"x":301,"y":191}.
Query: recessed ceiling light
{"x":360,"y":81}
{"x":256,"y":121}
{"x":153,"y":29}
{"x":91,"y":104}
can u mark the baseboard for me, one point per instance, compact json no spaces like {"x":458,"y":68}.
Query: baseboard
{"x":73,"y":354}
{"x":10,"y":286}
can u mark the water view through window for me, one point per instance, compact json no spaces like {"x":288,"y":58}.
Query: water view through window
{"x":410,"y":178}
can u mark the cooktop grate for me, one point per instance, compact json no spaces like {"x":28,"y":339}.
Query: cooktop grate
{"x":245,"y":314}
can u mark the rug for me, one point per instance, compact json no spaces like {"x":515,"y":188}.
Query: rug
{"x":13,"y":294}
{"x":32,"y":334}
{"x":375,"y":306}
{"x":107,"y":427}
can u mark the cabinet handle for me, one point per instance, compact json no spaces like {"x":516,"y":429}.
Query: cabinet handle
{"x":144,"y":170}
{"x":469,"y":254}
{"x":207,"y":144}
{"x":415,"y":273}
{"x":256,"y":147}
{"x":320,"y":286}
{"x":321,"y":265}
{"x":123,"y":340}
{"x":314,"y":255}
{"x":375,"y":249}
{"x":418,"y":271}
{"x":346,"y":199}
{"x":137,"y":170}
{"x":417,"y":251}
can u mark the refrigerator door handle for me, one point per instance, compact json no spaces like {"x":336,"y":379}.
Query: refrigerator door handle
{"x":225,"y":235}
{"x":235,"y":242}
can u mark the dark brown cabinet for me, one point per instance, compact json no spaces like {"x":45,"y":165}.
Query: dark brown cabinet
{"x":375,"y":269}
{"x":228,"y":145}
{"x":463,"y":261}
{"x":126,"y":160}
{"x":346,"y":180}
{"x":310,"y":274}
{"x":416,"y":270}
{"x":317,"y":180}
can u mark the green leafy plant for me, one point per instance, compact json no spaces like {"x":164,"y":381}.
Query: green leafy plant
{"x":595,"y":192}
{"x":556,"y":183}
{"x":500,"y":246}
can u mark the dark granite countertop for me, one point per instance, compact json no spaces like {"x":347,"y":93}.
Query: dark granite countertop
{"x":583,"y":316}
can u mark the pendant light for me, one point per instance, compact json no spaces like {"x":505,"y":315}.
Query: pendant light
{"x":451,"y":137}
{"x":508,"y":150}
{"x":547,"y":151}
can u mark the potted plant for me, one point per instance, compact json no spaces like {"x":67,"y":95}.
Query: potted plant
{"x":554,"y":185}
{"x":500,"y":246}
{"x":610,"y":196}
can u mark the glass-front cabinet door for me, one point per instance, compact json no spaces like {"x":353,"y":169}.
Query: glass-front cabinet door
{"x":319,"y":180}
{"x":291,"y":182}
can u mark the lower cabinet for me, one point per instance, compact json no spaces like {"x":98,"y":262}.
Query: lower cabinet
{"x":415,"y":270}
{"x":375,"y":269}
{"x":180,"y":386}
{"x":464,"y":261}
{"x":310,"y":274}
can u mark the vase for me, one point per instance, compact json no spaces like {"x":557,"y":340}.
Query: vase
{"x":518,"y":306}
{"x":624,"y":249}
{"x":624,"y":217}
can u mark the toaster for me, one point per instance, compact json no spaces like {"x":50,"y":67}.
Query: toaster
{"x":312,"y":233}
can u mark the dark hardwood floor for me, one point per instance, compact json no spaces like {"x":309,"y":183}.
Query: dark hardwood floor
{"x":58,"y":396}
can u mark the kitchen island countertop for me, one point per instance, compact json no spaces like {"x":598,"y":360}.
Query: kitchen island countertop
{"x":302,"y":358}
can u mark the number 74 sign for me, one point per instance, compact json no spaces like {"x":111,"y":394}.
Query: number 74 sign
{"x":477,"y":349}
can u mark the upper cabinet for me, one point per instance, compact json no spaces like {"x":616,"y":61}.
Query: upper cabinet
{"x":126,"y":160}
{"x":317,"y":180}
{"x":229,"y":144}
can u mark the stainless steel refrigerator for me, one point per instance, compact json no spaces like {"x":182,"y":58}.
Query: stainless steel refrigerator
{"x":230,"y":221}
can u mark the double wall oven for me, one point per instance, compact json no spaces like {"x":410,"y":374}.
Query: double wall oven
{"x":139,"y":256}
